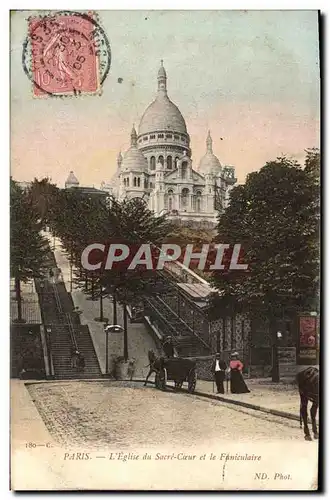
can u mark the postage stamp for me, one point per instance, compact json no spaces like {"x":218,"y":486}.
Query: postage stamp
{"x":65,"y":54}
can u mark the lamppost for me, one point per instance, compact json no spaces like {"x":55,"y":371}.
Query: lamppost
{"x":107,"y":330}
{"x":276,"y":370}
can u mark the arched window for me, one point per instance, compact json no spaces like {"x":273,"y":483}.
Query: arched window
{"x":134,"y":182}
{"x":198,"y":201}
{"x":127,"y":180}
{"x":138,"y":181}
{"x":152,"y":163}
{"x":161,"y":160}
{"x":169,"y":162}
{"x":176,"y":161}
{"x":184,"y":197}
{"x":170,"y":199}
{"x":184,"y":167}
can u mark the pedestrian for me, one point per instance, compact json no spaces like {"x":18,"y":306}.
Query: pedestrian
{"x":131,"y":368}
{"x":237,"y":383}
{"x":81,"y":362}
{"x":219,"y":370}
{"x":74,"y":358}
{"x":168,"y":347}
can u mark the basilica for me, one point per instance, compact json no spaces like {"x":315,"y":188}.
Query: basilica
{"x":158,"y":166}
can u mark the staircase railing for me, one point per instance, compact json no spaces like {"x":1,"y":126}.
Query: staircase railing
{"x":68,"y":318}
{"x":163,"y":319}
{"x":185,"y":324}
{"x":72,"y":334}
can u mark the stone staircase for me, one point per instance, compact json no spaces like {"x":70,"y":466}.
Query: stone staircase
{"x":65,"y":333}
{"x":186,"y":342}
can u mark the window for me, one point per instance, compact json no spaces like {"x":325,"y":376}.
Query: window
{"x":151,"y":184}
{"x":134,"y":182}
{"x":176,"y":137}
{"x":183,"y":139}
{"x":169,"y":162}
{"x":161,"y":160}
{"x":152,"y":163}
{"x":138,"y":181}
{"x":153,"y":136}
{"x":169,"y":136}
{"x":170,"y":204}
{"x":184,"y":167}
{"x":176,"y":161}
{"x":160,"y":136}
{"x":145,"y":138}
{"x":198,"y":201}
{"x":184,"y":197}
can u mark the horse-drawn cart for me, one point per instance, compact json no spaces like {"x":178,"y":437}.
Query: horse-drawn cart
{"x":177,"y":369}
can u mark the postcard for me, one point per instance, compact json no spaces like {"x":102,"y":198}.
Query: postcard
{"x":164,"y":225}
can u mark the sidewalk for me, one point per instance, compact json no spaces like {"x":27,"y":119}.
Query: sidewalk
{"x":277,"y":398}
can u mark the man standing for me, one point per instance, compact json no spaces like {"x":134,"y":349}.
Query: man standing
{"x":219,"y":370}
{"x":168,"y":347}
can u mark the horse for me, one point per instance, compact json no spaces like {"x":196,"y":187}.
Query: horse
{"x":308,"y":385}
{"x":154,"y":364}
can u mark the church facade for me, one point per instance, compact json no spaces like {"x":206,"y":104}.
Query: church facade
{"x":158,"y":166}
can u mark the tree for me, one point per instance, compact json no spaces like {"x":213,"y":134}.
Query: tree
{"x":274,"y":217}
{"x":28,"y":249}
{"x":42,"y":194}
{"x":80,"y":220}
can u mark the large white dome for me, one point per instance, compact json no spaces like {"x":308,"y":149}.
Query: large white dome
{"x":162,"y":114}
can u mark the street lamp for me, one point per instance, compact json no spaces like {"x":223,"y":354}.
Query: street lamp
{"x":107,"y":330}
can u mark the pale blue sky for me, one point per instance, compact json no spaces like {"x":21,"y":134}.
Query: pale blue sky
{"x":252,"y":77}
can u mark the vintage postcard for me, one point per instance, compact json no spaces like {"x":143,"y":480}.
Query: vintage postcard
{"x":164,"y":223}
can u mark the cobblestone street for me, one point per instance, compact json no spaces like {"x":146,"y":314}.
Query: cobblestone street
{"x":110,"y":414}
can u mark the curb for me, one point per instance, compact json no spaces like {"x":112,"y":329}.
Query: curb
{"x":251,"y":406}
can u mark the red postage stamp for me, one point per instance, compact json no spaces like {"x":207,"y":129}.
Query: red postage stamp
{"x":66,"y":54}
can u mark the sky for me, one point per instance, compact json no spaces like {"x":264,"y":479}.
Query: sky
{"x":250,"y":77}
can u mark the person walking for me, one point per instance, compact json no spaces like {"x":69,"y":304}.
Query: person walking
{"x":219,"y":371}
{"x":81,"y":362}
{"x":74,"y":358}
{"x":237,"y":383}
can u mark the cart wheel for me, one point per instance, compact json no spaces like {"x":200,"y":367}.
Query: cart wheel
{"x":178,"y":385}
{"x":162,"y":379}
{"x":192,"y":379}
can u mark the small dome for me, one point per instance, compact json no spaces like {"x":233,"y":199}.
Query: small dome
{"x":133,"y":159}
{"x":72,"y":179}
{"x":209,"y":164}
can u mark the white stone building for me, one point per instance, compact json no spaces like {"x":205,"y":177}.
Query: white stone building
{"x":158,"y":166}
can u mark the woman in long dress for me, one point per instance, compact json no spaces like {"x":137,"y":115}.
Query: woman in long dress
{"x":237,"y":383}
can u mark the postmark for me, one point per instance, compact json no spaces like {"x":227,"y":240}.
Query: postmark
{"x":66,"y":54}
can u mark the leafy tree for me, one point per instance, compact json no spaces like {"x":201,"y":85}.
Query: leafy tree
{"x":42,"y":194}
{"x":80,"y":220}
{"x":28,"y":249}
{"x":274,"y":217}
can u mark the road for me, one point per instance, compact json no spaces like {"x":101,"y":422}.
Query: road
{"x":122,"y":414}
